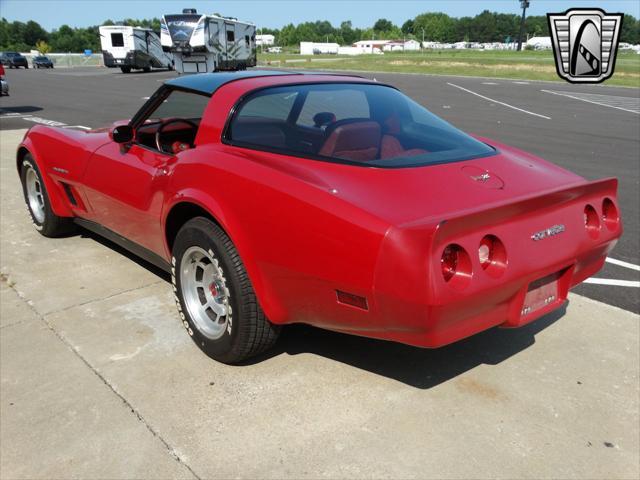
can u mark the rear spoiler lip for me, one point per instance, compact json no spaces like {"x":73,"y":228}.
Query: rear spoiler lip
{"x":518,"y":205}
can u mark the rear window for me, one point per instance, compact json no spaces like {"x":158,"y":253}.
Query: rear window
{"x":359,"y":124}
{"x":117,"y":40}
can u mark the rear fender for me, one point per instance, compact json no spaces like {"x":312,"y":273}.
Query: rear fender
{"x":232,"y":226}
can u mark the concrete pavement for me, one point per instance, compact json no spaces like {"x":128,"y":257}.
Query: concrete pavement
{"x":99,"y":380}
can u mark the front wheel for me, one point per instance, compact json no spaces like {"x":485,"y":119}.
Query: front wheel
{"x":35,"y":195}
{"x":125,"y":69}
{"x":214,"y":295}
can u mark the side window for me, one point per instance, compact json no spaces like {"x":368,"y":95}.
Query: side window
{"x":261,"y":119}
{"x":231,"y":36}
{"x":343,"y":103}
{"x":247,"y":40}
{"x":181,"y":104}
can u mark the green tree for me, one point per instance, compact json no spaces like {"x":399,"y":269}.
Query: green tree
{"x":630,"y":30}
{"x":407,"y":27}
{"x":43,"y":47}
{"x":438,"y":27}
{"x":383,"y":25}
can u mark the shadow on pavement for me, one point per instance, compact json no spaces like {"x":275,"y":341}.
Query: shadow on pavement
{"x":20,"y":109}
{"x":417,"y":367}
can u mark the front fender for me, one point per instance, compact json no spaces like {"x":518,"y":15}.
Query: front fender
{"x":55,"y":193}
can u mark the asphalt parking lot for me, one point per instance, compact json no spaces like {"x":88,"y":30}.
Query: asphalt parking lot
{"x":591,"y":130}
{"x":99,"y":380}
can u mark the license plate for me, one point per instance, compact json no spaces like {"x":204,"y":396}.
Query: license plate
{"x":541,"y":293}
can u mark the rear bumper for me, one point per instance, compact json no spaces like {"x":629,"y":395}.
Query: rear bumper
{"x":500,"y":305}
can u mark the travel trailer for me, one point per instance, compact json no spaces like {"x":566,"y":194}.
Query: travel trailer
{"x":208,"y":43}
{"x":131,"y":48}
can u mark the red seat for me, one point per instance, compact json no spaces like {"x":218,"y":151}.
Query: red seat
{"x":391,"y":147}
{"x":359,"y":141}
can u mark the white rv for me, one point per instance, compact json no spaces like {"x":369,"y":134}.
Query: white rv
{"x":208,"y":43}
{"x":130,"y":48}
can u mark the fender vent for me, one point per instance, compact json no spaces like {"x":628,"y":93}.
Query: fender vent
{"x":69,"y":192}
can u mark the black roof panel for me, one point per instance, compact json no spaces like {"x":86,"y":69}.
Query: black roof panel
{"x":209,"y":82}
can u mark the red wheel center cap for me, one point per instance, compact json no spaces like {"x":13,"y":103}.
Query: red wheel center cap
{"x":213,"y":288}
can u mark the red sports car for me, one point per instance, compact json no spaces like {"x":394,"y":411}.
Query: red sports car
{"x":336,"y":201}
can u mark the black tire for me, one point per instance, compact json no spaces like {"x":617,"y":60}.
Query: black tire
{"x":248,"y":332}
{"x":125,"y":69}
{"x":146,"y":69}
{"x":26,"y":67}
{"x":51,"y":225}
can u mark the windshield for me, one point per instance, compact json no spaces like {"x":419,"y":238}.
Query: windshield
{"x":41,"y":58}
{"x":362,"y":124}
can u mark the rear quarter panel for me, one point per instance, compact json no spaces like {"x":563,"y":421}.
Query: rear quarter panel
{"x":298,"y":241}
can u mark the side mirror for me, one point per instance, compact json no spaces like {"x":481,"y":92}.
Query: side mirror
{"x":122,"y":134}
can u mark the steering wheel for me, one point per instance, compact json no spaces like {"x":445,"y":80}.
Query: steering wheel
{"x":170,"y":121}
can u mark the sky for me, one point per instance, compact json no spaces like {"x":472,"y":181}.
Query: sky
{"x":276,"y":13}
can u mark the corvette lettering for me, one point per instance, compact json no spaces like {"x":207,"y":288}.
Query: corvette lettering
{"x":549,"y":232}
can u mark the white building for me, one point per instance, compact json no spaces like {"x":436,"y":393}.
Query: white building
{"x":313,"y":48}
{"x":265,"y":40}
{"x":401,"y":46}
{"x":539,"y":43}
{"x":370,"y":46}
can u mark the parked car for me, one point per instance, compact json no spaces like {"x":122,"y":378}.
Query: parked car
{"x":275,"y":198}
{"x":4,"y":85}
{"x":13,"y":60}
{"x":42,"y":61}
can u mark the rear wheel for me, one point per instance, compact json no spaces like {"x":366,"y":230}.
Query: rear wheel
{"x":125,"y":69}
{"x":214,"y":295}
{"x":35,"y":195}
{"x":146,"y":69}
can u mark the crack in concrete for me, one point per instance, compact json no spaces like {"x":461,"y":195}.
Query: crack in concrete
{"x":89,"y":302}
{"x":172,"y":452}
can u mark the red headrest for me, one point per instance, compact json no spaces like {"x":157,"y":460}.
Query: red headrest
{"x":353,"y":141}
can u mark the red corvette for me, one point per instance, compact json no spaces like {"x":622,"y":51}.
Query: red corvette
{"x":276,"y":198}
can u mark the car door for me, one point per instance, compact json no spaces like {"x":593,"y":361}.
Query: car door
{"x":125,"y":186}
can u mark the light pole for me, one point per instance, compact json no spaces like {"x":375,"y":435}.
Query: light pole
{"x":523,"y":4}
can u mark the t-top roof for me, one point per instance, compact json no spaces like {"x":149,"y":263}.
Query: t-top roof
{"x":209,"y":82}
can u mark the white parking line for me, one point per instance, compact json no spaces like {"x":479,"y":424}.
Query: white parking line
{"x":81,"y":127}
{"x":620,"y":263}
{"x":54,"y":123}
{"x":610,"y":281}
{"x":499,"y":102}
{"x":603,"y":100}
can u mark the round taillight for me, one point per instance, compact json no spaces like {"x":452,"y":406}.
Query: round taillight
{"x":492,"y":255}
{"x":591,"y":221}
{"x":610,"y":215}
{"x":456,"y":266}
